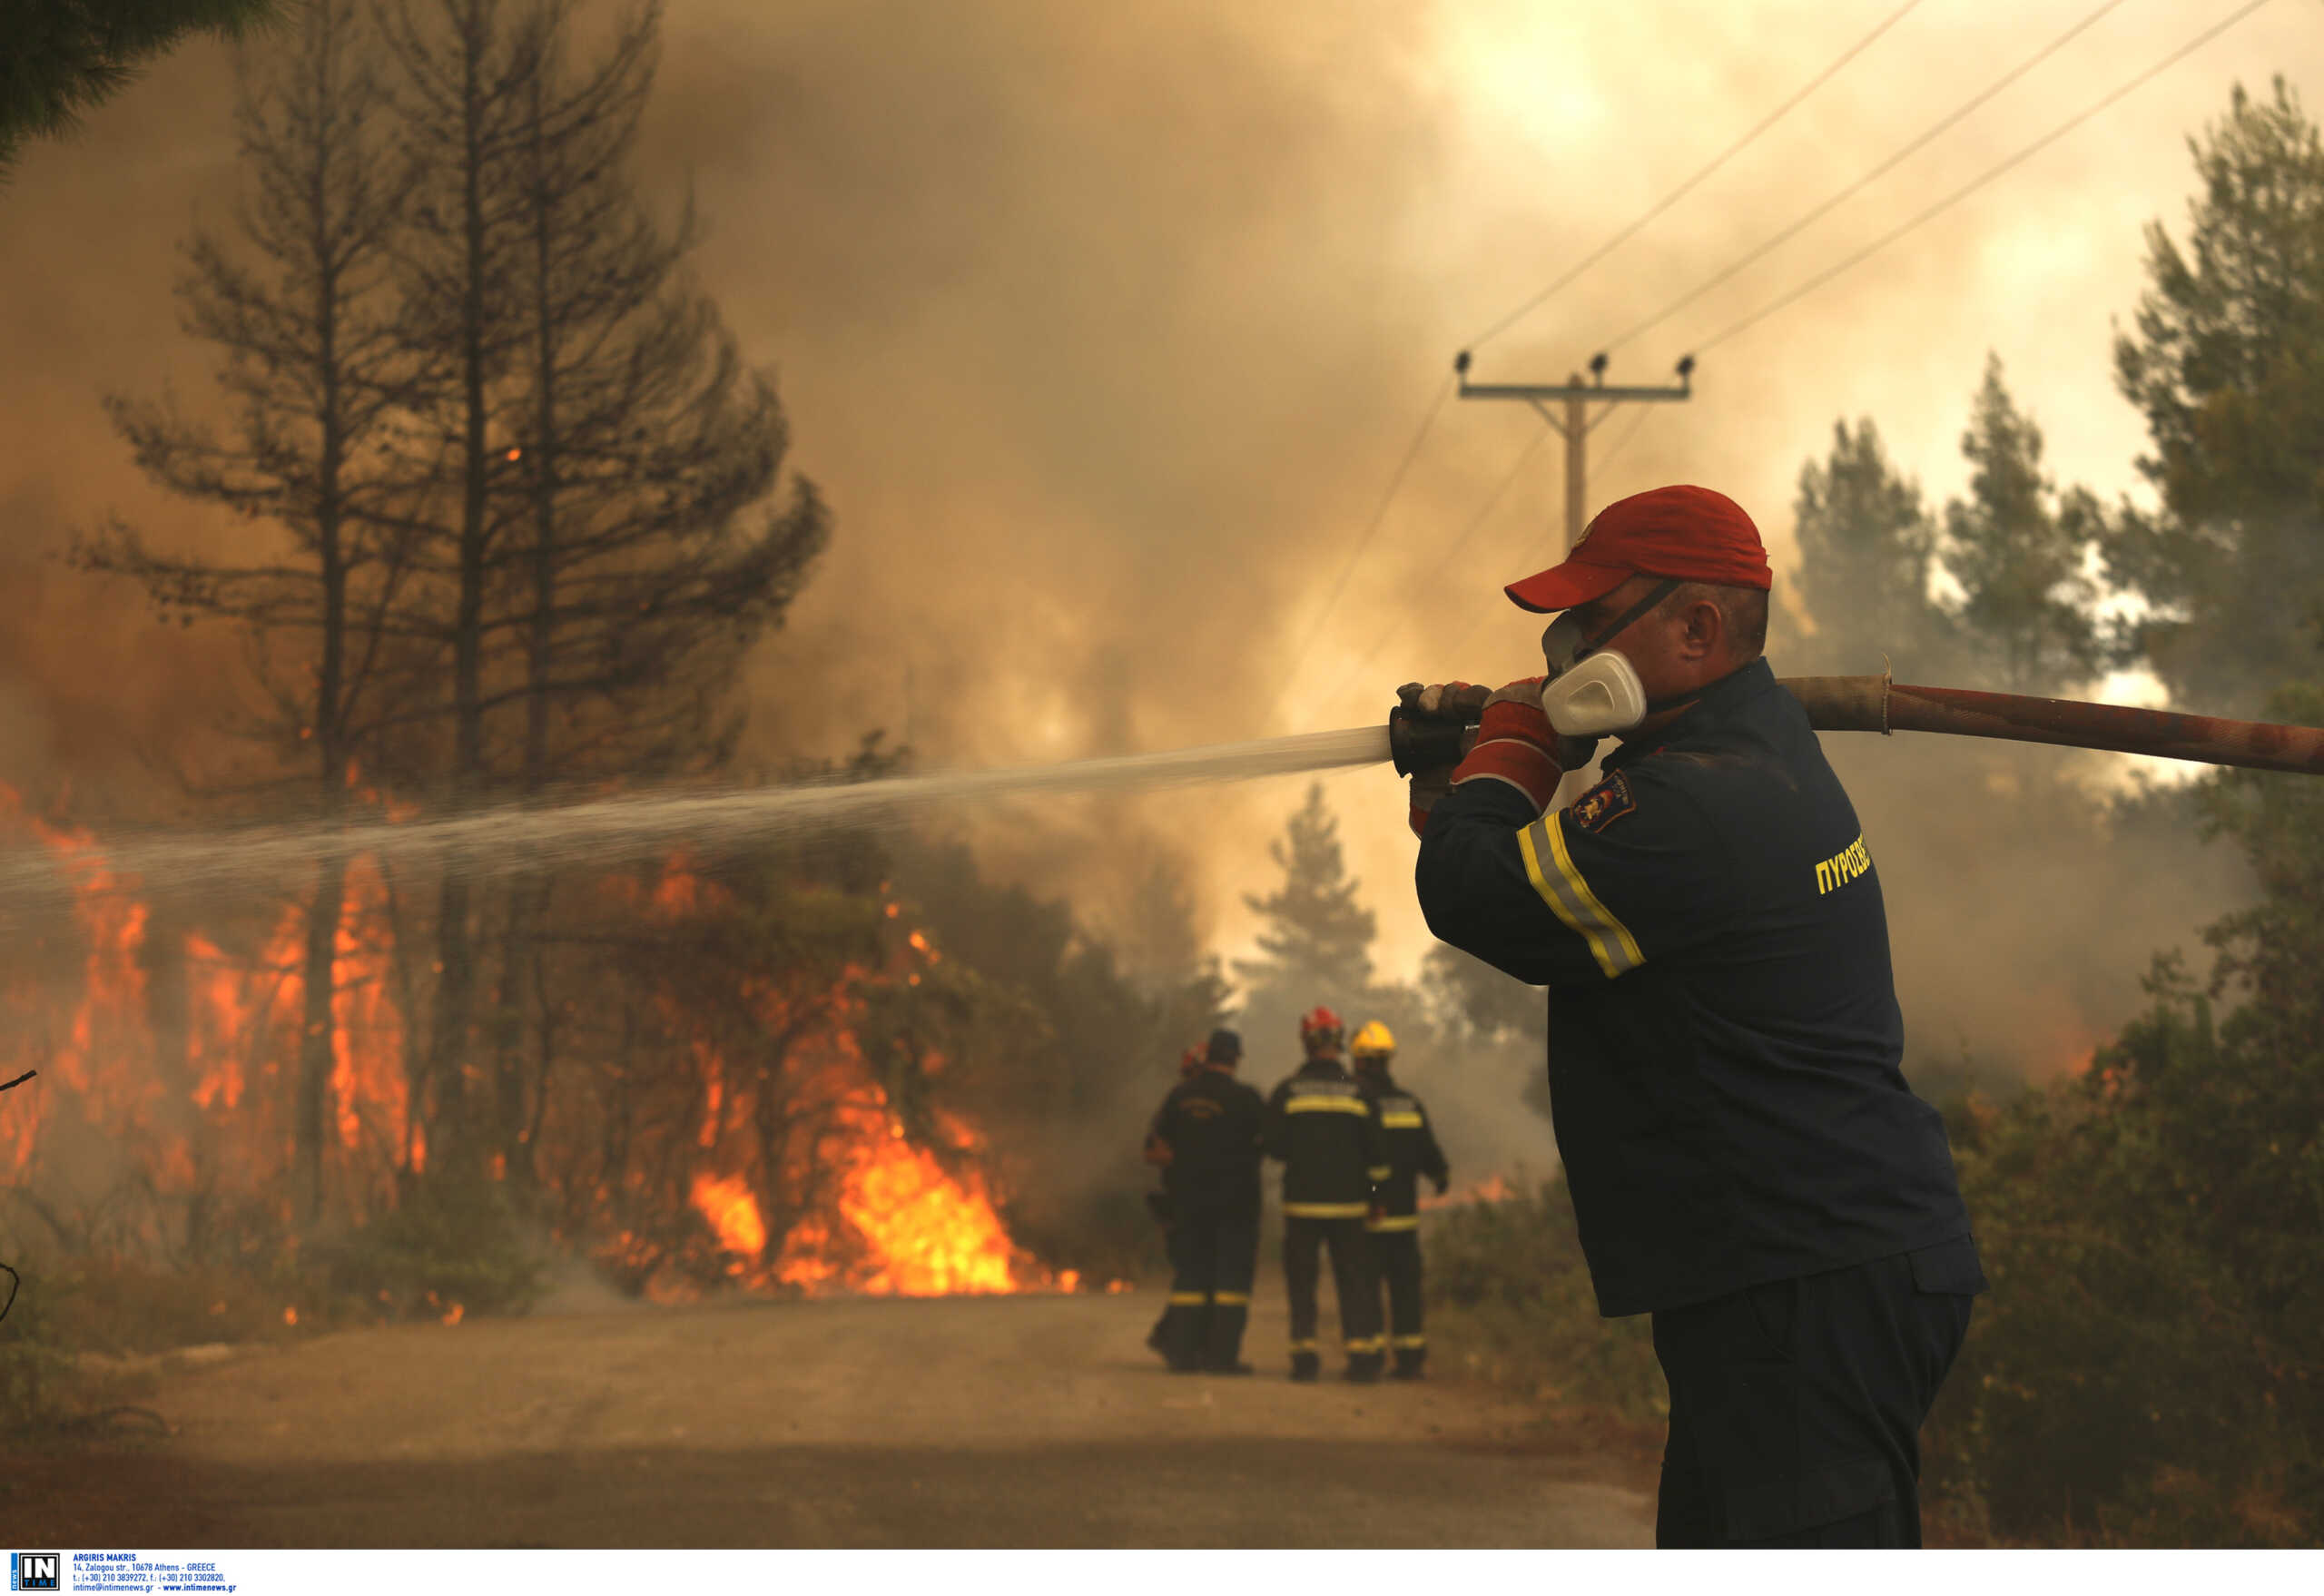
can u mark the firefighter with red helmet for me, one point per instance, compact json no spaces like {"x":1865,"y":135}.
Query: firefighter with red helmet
{"x":1395,"y":1228}
{"x":1206,"y":1138}
{"x":1327,"y":1137}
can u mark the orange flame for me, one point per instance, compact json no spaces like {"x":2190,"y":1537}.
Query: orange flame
{"x":732,"y":1213}
{"x":858,"y":1202}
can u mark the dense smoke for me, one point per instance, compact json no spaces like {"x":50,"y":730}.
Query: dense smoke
{"x":1103,"y":327}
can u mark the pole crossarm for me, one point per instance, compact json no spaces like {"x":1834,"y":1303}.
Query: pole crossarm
{"x":1584,"y":392}
{"x":1575,"y":397}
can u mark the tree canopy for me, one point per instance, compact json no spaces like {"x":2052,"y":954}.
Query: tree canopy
{"x":1866,"y":548}
{"x":2018,"y":549}
{"x":2225,"y":359}
{"x":65,"y":57}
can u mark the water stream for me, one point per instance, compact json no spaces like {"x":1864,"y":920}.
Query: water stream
{"x":512,"y":838}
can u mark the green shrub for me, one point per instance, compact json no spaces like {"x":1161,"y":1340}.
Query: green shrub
{"x":36,"y":1373}
{"x":1509,"y":1298}
{"x":2144,"y":1370}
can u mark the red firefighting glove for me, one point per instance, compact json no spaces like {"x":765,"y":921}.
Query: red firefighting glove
{"x":1427,"y":787}
{"x":1516,"y":745}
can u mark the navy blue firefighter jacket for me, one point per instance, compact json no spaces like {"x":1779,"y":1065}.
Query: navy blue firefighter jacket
{"x":1725,"y":1043}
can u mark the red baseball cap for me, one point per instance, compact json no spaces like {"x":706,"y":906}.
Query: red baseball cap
{"x":1683,"y":531}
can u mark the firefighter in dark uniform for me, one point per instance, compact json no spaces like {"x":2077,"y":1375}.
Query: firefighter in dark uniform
{"x":1157,"y":1202}
{"x":1746,"y":1161}
{"x":1208,"y":1138}
{"x":1333,"y":1163}
{"x":1394,"y":1229}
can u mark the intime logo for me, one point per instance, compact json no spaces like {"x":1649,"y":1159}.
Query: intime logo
{"x":35,"y":1570}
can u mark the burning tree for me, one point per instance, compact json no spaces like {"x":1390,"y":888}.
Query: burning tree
{"x":314,"y":360}
{"x":516,"y":513}
{"x":600,"y":567}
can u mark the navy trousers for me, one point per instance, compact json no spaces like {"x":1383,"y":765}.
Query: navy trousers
{"x":1795,"y":1406}
{"x":1214,"y":1255}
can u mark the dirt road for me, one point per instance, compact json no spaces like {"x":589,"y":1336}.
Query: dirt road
{"x":1036,"y":1420}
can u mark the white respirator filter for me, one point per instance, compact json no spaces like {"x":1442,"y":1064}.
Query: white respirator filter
{"x":1602,"y":695}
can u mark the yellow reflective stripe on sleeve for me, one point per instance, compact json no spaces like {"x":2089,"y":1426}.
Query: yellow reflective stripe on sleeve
{"x":1407,"y":1341}
{"x":1400,"y":1121}
{"x":1394,"y":1222}
{"x":1381,"y":1171}
{"x":1231,"y":1299}
{"x":1551,"y":870}
{"x":1326,"y":1210}
{"x":1187,"y":1299}
{"x":1326,"y":1105}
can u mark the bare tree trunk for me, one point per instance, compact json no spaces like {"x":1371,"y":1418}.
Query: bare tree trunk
{"x":312,"y":1118}
{"x":455,"y":1011}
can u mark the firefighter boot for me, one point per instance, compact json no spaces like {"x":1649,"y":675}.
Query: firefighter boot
{"x":1409,"y":1360}
{"x":1305,"y":1366}
{"x":1362,"y":1367}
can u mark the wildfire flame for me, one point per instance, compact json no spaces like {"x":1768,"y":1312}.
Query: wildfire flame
{"x":200,"y":1094}
{"x":1492,"y":1188}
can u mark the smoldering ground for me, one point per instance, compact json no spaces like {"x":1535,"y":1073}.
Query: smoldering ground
{"x":1103,"y":329}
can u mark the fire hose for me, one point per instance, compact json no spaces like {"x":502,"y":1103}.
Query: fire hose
{"x":1877,"y":704}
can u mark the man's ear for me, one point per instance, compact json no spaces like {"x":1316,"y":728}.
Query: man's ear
{"x":1706,"y":629}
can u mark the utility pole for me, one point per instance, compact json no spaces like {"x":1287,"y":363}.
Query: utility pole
{"x":1576,"y":423}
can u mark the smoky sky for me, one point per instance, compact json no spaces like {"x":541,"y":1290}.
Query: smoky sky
{"x":1103,"y":327}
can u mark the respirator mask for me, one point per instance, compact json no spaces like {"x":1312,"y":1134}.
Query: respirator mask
{"x":1591,"y":690}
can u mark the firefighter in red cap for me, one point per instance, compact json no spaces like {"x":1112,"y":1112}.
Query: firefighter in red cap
{"x":1395,"y":1228}
{"x":1334,"y":1162}
{"x":1208,"y":1138}
{"x":1747,"y":1162}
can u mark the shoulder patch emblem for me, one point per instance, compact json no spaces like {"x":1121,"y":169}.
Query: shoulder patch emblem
{"x":1604,"y":804}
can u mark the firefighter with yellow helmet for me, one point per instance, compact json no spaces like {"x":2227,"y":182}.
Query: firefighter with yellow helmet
{"x":1394,"y":1225}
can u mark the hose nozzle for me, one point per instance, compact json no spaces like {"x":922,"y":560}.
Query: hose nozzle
{"x":1419,"y":742}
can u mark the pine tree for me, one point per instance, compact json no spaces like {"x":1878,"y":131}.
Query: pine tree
{"x":2227,"y":363}
{"x":2018,"y":551}
{"x":1316,"y":940}
{"x":64,"y":58}
{"x":1866,"y":544}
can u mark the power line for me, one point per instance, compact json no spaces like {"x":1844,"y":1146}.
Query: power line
{"x":2055,"y":133}
{"x":1479,"y":619}
{"x":1620,"y":443}
{"x":1936,"y":128}
{"x":1516,"y":469}
{"x":1347,"y":569}
{"x":1675,"y":195}
{"x":1617,"y":446}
